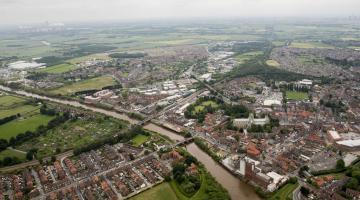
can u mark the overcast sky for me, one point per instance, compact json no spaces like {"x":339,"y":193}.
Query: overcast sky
{"x":28,"y":11}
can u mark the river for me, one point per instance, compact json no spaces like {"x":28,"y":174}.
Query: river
{"x":237,"y":189}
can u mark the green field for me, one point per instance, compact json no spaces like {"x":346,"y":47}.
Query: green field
{"x":309,"y":45}
{"x":88,"y":84}
{"x":201,"y":107}
{"x":31,"y":123}
{"x":99,"y":56}
{"x":12,"y":153}
{"x":159,"y":192}
{"x":139,"y":140}
{"x":58,"y":69}
{"x":272,"y":63}
{"x":300,"y":96}
{"x":8,"y":100}
{"x":242,"y":58}
{"x":22,"y":109}
{"x":285,"y":192}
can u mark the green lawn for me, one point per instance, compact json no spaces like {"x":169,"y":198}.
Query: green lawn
{"x":13,"y":128}
{"x":58,"y":69}
{"x":241,"y":58}
{"x":284,"y":192}
{"x":23,"y":109}
{"x":12,"y":153}
{"x":272,"y":63}
{"x":159,"y":192}
{"x":8,"y":100}
{"x":300,"y":96}
{"x":201,"y":107}
{"x":88,"y":84}
{"x":139,"y":140}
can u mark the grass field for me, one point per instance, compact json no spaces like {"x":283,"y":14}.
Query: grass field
{"x":300,"y":96}
{"x":139,"y":140}
{"x":201,"y":107}
{"x":272,"y":63}
{"x":8,"y":100}
{"x":241,"y":58}
{"x":58,"y":69}
{"x":159,"y":192}
{"x":22,"y":109}
{"x":309,"y":45}
{"x":88,"y":84}
{"x":12,"y":153}
{"x":285,"y":192}
{"x":13,"y":128}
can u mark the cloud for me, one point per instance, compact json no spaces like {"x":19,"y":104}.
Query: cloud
{"x":24,"y":11}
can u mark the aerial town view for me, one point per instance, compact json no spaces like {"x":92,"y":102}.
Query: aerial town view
{"x":180,"y":100}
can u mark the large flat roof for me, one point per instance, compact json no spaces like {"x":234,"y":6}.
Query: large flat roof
{"x":350,"y":143}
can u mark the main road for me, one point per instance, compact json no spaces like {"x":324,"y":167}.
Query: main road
{"x":237,"y":189}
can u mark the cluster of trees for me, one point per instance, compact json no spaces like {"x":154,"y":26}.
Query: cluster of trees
{"x":295,"y":87}
{"x":127,"y":55}
{"x":8,"y":119}
{"x":136,"y":116}
{"x":266,"y":128}
{"x":236,"y":111}
{"x":344,"y":62}
{"x":203,"y":146}
{"x":189,"y":184}
{"x":8,"y":161}
{"x":121,"y":137}
{"x":335,"y":105}
{"x":47,"y":111}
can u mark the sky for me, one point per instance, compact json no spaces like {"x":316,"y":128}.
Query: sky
{"x":36,"y":11}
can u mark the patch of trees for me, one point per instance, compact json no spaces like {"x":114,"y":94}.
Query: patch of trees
{"x":236,"y":111}
{"x":203,"y":146}
{"x":344,"y":62}
{"x":35,"y":76}
{"x":294,"y":87}
{"x":8,"y":119}
{"x":3,"y":144}
{"x":250,"y":46}
{"x":88,"y":49}
{"x":136,"y":116}
{"x":8,"y":161}
{"x":127,"y":55}
{"x":51,"y":60}
{"x":335,"y":105}
{"x":189,"y":184}
{"x":86,"y":92}
{"x":47,"y":111}
{"x":112,"y":87}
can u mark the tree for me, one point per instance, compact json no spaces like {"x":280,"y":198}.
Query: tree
{"x":340,"y":164}
{"x":304,"y":191}
{"x":353,"y":183}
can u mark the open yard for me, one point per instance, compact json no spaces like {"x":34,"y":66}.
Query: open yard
{"x":12,"y":153}
{"x":284,"y":192}
{"x":159,"y":192}
{"x":58,"y":69}
{"x":30,"y":123}
{"x":88,"y":84}
{"x":139,"y":140}
{"x":300,"y":96}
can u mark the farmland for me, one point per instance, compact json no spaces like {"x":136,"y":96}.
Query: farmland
{"x":73,"y":134}
{"x":58,"y":69}
{"x":272,"y":63}
{"x":7,"y":100}
{"x":139,"y":140}
{"x":309,"y":45}
{"x":22,"y":109}
{"x":88,"y":84}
